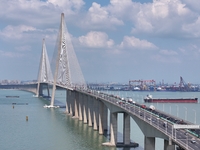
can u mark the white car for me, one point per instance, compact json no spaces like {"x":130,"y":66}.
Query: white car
{"x":193,"y":141}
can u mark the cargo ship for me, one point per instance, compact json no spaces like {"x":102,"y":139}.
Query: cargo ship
{"x":150,"y":99}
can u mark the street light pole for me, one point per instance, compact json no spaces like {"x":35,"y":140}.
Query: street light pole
{"x":177,"y":110}
{"x":195,"y":115}
{"x":185,"y":113}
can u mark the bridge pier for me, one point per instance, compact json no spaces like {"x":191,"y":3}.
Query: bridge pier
{"x":95,"y":112}
{"x":149,"y":143}
{"x":67,"y":101}
{"x":105,"y":118}
{"x":80,"y":106}
{"x":40,"y":88}
{"x":76,"y":104}
{"x":168,"y":145}
{"x":113,"y":130}
{"x":85,"y":108}
{"x":101,"y":108}
{"x":126,"y":129}
{"x":90,"y":104}
{"x":71,"y":103}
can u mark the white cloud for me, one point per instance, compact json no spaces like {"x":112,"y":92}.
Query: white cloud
{"x":135,"y":43}
{"x":15,"y":32}
{"x":99,"y":17}
{"x":10,"y":54}
{"x":23,"y":48}
{"x":167,"y":56}
{"x":120,"y":8}
{"x":96,"y":39}
{"x":165,"y":59}
{"x":70,"y":6}
{"x":193,"y":5}
{"x":162,"y":17}
{"x":168,"y":52}
{"x":192,"y":29}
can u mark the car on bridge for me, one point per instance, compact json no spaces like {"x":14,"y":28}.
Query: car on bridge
{"x":193,"y":140}
{"x":165,"y":124}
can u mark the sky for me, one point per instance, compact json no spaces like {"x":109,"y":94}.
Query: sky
{"x":115,"y":40}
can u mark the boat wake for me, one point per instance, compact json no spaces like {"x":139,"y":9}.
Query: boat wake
{"x":50,"y":106}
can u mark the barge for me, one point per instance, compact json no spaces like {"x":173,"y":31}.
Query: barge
{"x":150,"y":99}
{"x":12,"y":96}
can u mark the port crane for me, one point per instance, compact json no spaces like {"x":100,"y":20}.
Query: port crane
{"x":183,"y":86}
{"x":142,"y":84}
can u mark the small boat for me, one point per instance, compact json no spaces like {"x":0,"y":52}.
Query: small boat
{"x":150,"y":99}
{"x":12,"y":96}
{"x":50,"y":106}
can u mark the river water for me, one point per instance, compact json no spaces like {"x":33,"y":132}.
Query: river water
{"x":52,"y":129}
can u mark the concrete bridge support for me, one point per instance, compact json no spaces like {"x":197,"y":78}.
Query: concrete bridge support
{"x":67,"y":101}
{"x":126,"y":129}
{"x":168,"y":145}
{"x":113,"y":129}
{"x":70,"y":100}
{"x":85,"y":108}
{"x":105,"y":118}
{"x":90,"y":104}
{"x":149,"y":143}
{"x":41,"y":87}
{"x":95,"y":113}
{"x":40,"y":90}
{"x":80,"y":106}
{"x":100,"y":116}
{"x":76,"y":104}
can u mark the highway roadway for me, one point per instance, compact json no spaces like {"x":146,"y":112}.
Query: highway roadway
{"x":180,"y":136}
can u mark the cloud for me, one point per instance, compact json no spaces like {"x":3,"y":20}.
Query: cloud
{"x":192,"y":29}
{"x":168,"y":52}
{"x":23,"y":48}
{"x":99,"y":17}
{"x":10,"y":54}
{"x":70,"y":6}
{"x":15,"y":32}
{"x":193,"y":5}
{"x":165,"y":59}
{"x":161,"y":18}
{"x":95,"y":39}
{"x":37,"y":12}
{"x":135,"y":43}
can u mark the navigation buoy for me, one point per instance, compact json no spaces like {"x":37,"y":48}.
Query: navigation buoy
{"x":26,"y":118}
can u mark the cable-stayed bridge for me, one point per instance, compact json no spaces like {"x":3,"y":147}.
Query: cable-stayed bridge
{"x":92,"y":107}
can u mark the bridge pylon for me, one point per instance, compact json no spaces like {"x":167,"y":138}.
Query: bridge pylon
{"x":67,"y":72}
{"x":44,"y":73}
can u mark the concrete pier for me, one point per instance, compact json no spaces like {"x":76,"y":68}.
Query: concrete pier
{"x":85,"y":108}
{"x":95,"y":112}
{"x":168,"y":145}
{"x":90,"y":105}
{"x":126,"y":129}
{"x":100,"y":117}
{"x":113,"y":130}
{"x":76,"y":104}
{"x":80,"y":106}
{"x":149,"y":143}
